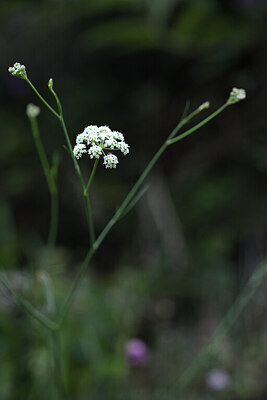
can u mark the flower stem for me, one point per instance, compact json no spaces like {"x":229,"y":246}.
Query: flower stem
{"x":60,"y":116}
{"x":92,"y":176}
{"x":90,"y":219}
{"x":51,"y":181}
{"x":173,"y":139}
{"x":123,"y":206}
{"x":26,"y":306}
{"x":53,"y":222}
{"x":57,"y":366}
{"x":76,"y":165}
{"x":69,"y":298}
{"x":42,"y":99}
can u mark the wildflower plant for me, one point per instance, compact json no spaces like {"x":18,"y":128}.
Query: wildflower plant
{"x":96,"y":143}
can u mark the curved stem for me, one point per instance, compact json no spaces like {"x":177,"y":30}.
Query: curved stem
{"x":88,"y":206}
{"x":92,"y":176}
{"x":50,"y":178}
{"x":58,"y":373}
{"x":75,"y":162}
{"x":123,"y":206}
{"x":53,"y":221}
{"x":66,"y":305}
{"x":198,"y":126}
{"x":76,"y":165}
{"x":42,"y":99}
{"x":26,"y":306}
{"x":90,"y":219}
{"x":42,"y":155}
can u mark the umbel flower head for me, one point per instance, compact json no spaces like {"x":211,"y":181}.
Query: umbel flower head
{"x":18,"y":70}
{"x":96,"y":141}
{"x":236,"y":95}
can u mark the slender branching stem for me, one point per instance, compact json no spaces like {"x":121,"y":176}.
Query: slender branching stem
{"x":58,"y":373}
{"x":92,"y":176}
{"x":60,"y":116}
{"x":90,"y":219}
{"x":124,"y":205}
{"x":52,"y":235}
{"x":51,"y":181}
{"x":27,"y":306}
{"x":197,"y":126}
{"x":76,"y":165}
{"x":69,"y":298}
{"x":42,"y":99}
{"x":42,"y":155}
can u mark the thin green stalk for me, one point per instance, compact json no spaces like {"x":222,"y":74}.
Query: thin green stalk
{"x":87,"y":201}
{"x":66,"y":305}
{"x":228,"y":321}
{"x":58,"y":373}
{"x":119,"y":213}
{"x":75,"y":162}
{"x":51,"y":185}
{"x":150,"y":165}
{"x":52,"y":235}
{"x":62,"y":122}
{"x":103,"y":234}
{"x":90,"y":219}
{"x":26,"y":306}
{"x":76,"y":165}
{"x":42,"y":155}
{"x":42,"y":99}
{"x":198,"y":126}
{"x":92,"y":176}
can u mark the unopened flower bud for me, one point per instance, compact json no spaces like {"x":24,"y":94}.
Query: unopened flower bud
{"x":236,"y":95}
{"x":50,"y":84}
{"x":204,"y":106}
{"x":18,"y":70}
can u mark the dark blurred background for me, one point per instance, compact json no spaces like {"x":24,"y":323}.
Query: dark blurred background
{"x":170,"y":270}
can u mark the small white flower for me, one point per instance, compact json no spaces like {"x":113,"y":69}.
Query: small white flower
{"x":236,"y":95}
{"x":105,"y":130}
{"x":32,"y":110}
{"x":95,"y":151}
{"x":110,"y":161}
{"x":79,"y":150}
{"x":123,"y":147}
{"x":119,"y":136}
{"x":110,"y":143}
{"x":18,"y":70}
{"x":82,"y":137}
{"x":93,"y":138}
{"x":91,"y":128}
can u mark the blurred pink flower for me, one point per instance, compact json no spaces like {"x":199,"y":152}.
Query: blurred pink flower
{"x":137,"y":352}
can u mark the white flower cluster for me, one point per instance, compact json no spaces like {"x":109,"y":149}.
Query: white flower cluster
{"x":236,"y":95}
{"x":99,"y":139}
{"x":18,"y":70}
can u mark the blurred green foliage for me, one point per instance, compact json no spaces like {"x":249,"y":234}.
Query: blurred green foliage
{"x":132,"y":64}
